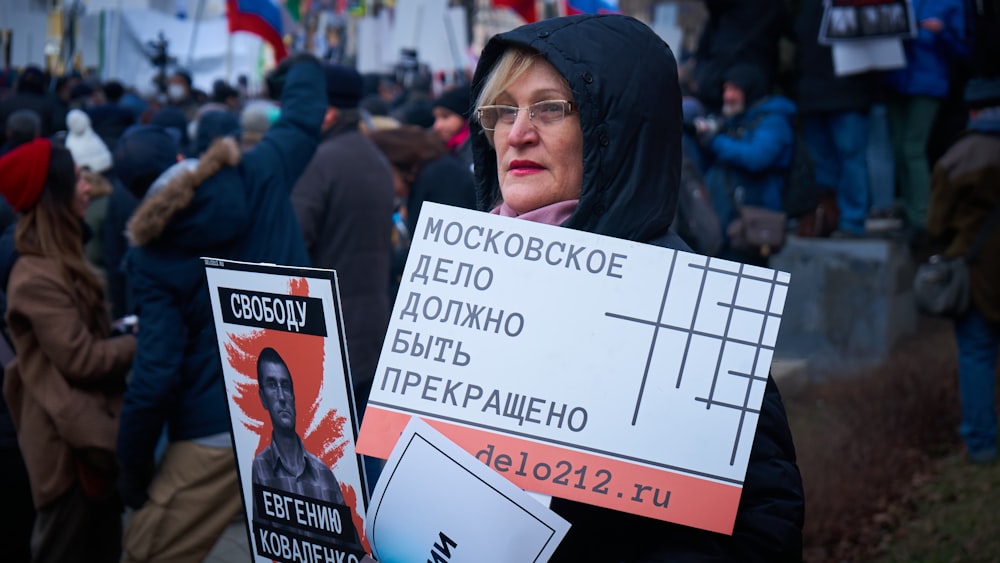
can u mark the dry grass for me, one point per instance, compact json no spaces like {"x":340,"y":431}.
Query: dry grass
{"x":865,"y":440}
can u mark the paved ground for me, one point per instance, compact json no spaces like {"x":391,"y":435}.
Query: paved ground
{"x":232,"y":547}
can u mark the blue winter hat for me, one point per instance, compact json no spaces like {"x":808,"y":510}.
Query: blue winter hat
{"x":172,"y":118}
{"x":213,"y":125}
{"x":344,"y":86}
{"x":455,"y":100}
{"x":983,"y":92}
{"x":143,"y":152}
{"x":750,"y":79}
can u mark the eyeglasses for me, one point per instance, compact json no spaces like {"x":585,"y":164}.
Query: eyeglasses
{"x":548,"y":112}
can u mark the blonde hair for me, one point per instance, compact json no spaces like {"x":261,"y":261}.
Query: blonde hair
{"x":511,"y":65}
{"x":514,"y":62}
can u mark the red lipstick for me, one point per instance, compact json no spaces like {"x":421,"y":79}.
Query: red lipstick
{"x":524,"y":167}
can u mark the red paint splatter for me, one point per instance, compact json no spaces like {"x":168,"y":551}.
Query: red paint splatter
{"x":351,"y":498}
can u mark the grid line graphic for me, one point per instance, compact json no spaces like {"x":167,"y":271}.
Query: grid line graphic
{"x":747,"y":377}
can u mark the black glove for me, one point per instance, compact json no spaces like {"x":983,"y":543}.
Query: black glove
{"x":275,"y":80}
{"x":133,"y":483}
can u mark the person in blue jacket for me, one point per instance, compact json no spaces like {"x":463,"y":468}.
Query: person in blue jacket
{"x":916,"y":91}
{"x":749,"y":152}
{"x":224,"y":206}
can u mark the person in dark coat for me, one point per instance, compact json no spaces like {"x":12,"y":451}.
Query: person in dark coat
{"x":834,"y":112}
{"x":19,"y":515}
{"x":344,"y":204}
{"x":22,"y":125}
{"x":111,"y":119}
{"x":737,"y":31}
{"x":29,"y":93}
{"x":964,"y":196}
{"x":173,"y":119}
{"x":223,"y":206}
{"x":612,"y":166}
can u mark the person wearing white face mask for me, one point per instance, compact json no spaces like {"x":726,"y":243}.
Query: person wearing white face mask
{"x":182,"y":94}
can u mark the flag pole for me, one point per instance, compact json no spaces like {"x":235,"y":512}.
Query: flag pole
{"x":194,"y":33}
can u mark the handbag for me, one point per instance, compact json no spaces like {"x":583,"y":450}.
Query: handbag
{"x":941,"y":285}
{"x":757,"y":229}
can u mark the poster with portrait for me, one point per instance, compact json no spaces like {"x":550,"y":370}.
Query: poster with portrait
{"x":853,"y":20}
{"x":291,"y":406}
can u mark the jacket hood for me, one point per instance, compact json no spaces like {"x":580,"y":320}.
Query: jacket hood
{"x":190,"y":217}
{"x":624,"y":79}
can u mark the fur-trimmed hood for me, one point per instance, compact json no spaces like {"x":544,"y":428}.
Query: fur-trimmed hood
{"x":195,"y":203}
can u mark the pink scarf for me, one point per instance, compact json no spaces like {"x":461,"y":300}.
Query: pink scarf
{"x":456,"y":140}
{"x":552,"y":214}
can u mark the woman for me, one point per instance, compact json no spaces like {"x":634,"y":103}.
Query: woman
{"x":451,"y":124}
{"x":587,"y":140}
{"x":64,"y":389}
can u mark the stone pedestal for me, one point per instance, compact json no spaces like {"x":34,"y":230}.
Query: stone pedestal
{"x":849,"y":302}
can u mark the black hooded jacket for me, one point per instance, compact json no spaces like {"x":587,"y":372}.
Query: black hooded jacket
{"x":624,"y":79}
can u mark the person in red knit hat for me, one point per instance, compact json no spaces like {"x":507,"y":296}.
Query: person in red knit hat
{"x":22,"y":173}
{"x":64,"y":389}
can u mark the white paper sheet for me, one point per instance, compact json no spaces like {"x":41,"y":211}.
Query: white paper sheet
{"x":852,"y":57}
{"x":436,"y":502}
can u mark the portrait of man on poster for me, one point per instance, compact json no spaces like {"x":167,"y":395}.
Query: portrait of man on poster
{"x":285,"y":464}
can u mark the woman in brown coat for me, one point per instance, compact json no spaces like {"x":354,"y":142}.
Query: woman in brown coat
{"x":64,"y":388}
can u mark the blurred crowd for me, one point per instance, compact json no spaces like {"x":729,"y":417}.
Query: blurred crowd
{"x":772,"y":124}
{"x":329,"y":168}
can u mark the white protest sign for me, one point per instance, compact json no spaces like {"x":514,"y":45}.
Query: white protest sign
{"x":284,"y":363}
{"x":452,"y":492}
{"x":581,"y":366}
{"x":851,"y":20}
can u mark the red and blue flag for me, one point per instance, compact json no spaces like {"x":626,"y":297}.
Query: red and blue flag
{"x":259,"y":17}
{"x":574,"y":7}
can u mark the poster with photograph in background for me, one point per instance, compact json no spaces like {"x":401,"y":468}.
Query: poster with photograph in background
{"x":852,"y":20}
{"x":283,"y":326}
